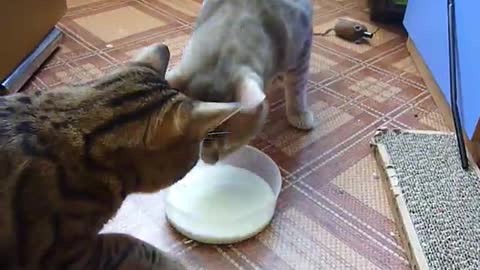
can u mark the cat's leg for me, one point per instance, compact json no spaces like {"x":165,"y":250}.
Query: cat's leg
{"x":298,"y":113}
{"x":123,"y":252}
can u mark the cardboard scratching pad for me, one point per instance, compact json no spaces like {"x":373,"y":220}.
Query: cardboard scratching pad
{"x":436,"y":203}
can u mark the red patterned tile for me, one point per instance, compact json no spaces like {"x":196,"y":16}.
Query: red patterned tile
{"x":424,"y":115}
{"x":106,"y":26}
{"x":72,"y":47}
{"x":75,"y":72}
{"x":336,"y":121}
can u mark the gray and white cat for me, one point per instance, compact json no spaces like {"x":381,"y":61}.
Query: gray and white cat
{"x":237,"y":49}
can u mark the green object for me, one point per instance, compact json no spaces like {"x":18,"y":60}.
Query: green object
{"x":400,"y":2}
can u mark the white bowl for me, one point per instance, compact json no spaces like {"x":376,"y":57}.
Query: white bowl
{"x":259,"y":163}
{"x":248,"y":158}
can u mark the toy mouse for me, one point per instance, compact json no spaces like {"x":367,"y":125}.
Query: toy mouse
{"x":349,"y":30}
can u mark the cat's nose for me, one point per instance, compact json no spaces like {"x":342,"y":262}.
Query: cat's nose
{"x":210,"y":157}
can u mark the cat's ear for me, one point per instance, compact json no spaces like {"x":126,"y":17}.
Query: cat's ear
{"x":187,"y":118}
{"x":249,"y":93}
{"x":206,"y":116}
{"x":157,"y":56}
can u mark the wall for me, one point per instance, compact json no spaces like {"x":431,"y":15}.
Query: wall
{"x":427,"y":25}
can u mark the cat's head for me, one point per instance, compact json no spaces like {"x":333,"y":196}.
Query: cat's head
{"x":155,"y":132}
{"x":246,"y":89}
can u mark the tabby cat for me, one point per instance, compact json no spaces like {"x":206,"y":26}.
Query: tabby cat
{"x":237,"y":50}
{"x":69,"y":157}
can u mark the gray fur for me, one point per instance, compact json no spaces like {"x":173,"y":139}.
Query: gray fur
{"x":237,"y":49}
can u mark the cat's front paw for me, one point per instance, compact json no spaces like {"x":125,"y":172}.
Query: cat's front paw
{"x":301,"y":120}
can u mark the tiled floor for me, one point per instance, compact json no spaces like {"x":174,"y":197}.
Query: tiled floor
{"x":332,"y":212}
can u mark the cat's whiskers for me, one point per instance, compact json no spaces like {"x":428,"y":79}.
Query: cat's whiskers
{"x":214,"y":135}
{"x":218,"y":132}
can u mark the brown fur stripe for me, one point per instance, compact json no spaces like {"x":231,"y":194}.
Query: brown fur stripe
{"x":25,"y":127}
{"x":136,"y":69}
{"x":153,"y":88}
{"x":24,"y":100}
{"x":21,"y":230}
{"x":52,"y":249}
{"x":69,"y":193}
{"x":5,"y":114}
{"x":32,"y":148}
{"x":96,"y":254}
{"x":120,"y":258}
{"x":121,"y":120}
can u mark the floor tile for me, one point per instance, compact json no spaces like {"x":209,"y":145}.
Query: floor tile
{"x":113,"y":25}
{"x":77,"y":3}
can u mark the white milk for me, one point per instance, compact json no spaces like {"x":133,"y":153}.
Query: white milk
{"x":220,"y":204}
